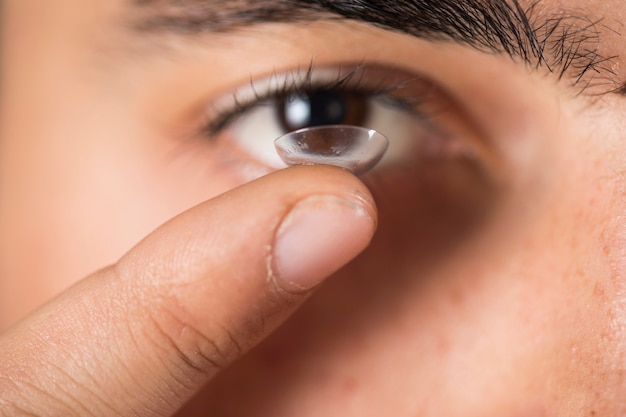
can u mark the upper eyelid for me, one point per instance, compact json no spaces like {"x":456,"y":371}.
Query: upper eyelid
{"x":290,"y":81}
{"x":281,"y":85}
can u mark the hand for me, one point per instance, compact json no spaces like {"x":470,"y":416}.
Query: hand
{"x":142,"y":336}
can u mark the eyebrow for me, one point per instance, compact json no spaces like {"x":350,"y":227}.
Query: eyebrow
{"x":562,"y":42}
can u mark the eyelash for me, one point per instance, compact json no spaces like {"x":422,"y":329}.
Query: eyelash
{"x":298,"y":82}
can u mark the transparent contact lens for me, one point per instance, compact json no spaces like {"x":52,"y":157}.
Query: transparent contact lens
{"x":354,"y":148}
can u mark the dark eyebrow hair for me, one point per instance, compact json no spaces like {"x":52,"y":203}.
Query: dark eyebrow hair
{"x":561,"y":42}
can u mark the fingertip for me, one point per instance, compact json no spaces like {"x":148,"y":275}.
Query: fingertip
{"x":320,"y":234}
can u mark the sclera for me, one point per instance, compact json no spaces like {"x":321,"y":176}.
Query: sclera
{"x":354,"y":148}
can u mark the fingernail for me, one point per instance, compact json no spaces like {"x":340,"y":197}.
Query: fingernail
{"x":319,"y":236}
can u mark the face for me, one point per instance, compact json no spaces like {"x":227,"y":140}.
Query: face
{"x":495,"y":285}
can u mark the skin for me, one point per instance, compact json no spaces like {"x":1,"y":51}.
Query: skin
{"x":494,"y":289}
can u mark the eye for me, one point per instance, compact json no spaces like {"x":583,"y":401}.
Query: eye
{"x":392,"y":102}
{"x":435,"y":180}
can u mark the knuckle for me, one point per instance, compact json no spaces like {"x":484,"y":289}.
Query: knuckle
{"x":195,"y":353}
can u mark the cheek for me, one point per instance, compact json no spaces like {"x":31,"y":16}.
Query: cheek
{"x":571,"y":261}
{"x":84,"y":184}
{"x":539,"y":301}
{"x":614,"y":246}
{"x":535,"y":298}
{"x":616,"y":249}
{"x":78,"y":211}
{"x":615,"y":235}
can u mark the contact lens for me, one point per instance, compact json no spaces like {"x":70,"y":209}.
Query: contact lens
{"x":354,"y":148}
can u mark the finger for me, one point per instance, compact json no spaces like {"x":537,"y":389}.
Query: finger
{"x":142,"y":336}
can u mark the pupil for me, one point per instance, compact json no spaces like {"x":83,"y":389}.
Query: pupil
{"x":320,"y":109}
